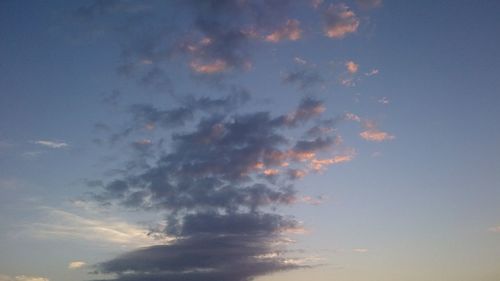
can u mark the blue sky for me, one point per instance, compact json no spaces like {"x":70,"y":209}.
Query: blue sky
{"x":334,"y":140}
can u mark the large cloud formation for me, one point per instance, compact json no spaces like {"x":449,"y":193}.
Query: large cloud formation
{"x":218,"y":185}
{"x":220,"y":173}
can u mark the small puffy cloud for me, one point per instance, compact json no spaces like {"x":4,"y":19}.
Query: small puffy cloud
{"x":291,"y":31}
{"x":51,"y":144}
{"x":352,"y":67}
{"x":76,"y":264}
{"x":495,"y":229}
{"x":340,"y":21}
{"x":372,"y":133}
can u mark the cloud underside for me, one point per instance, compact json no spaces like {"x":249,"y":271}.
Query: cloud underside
{"x":217,"y":185}
{"x":207,"y":257}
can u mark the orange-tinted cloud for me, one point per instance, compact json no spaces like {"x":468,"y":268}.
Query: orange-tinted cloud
{"x":209,"y":68}
{"x":290,"y":31}
{"x":340,"y":21}
{"x":352,"y":67}
{"x":372,"y":133}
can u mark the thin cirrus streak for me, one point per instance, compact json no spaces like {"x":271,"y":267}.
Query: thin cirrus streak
{"x":60,"y":224}
{"x":22,"y":278}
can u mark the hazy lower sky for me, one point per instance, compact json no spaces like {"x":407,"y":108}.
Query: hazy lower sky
{"x":250,"y":140}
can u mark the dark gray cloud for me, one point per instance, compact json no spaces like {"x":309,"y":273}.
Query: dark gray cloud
{"x":202,"y":257}
{"x":208,"y":37}
{"x":304,"y":78}
{"x":214,"y":188}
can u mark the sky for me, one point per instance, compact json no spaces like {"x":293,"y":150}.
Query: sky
{"x":249,"y":140}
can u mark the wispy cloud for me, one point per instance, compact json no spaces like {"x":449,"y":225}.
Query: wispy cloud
{"x":51,"y":144}
{"x":22,"y":278}
{"x":59,"y":224}
{"x":360,"y":250}
{"x":372,"y":72}
{"x":76,"y":264}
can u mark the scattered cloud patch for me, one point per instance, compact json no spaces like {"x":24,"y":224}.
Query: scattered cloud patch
{"x":372,"y":133}
{"x":290,"y":31}
{"x":352,"y":67}
{"x":209,"y":68}
{"x":339,"y":21}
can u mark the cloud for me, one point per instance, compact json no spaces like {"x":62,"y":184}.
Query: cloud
{"x":51,"y":144}
{"x":360,"y":250}
{"x":22,"y":278}
{"x":217,"y":185}
{"x":372,"y":72}
{"x":372,"y":133}
{"x":352,"y":67}
{"x":209,"y":68}
{"x":76,"y":264}
{"x":59,"y":224}
{"x":290,"y":31}
{"x":304,"y":78}
{"x":383,"y":100}
{"x":352,"y":117}
{"x":339,"y":21}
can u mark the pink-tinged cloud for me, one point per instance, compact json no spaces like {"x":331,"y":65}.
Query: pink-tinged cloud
{"x":290,"y":31}
{"x":319,"y":164}
{"x":297,"y":173}
{"x":209,"y":68}
{"x":372,"y":133}
{"x":340,"y":21}
{"x":352,"y":117}
{"x":271,"y":172}
{"x":352,"y":67}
